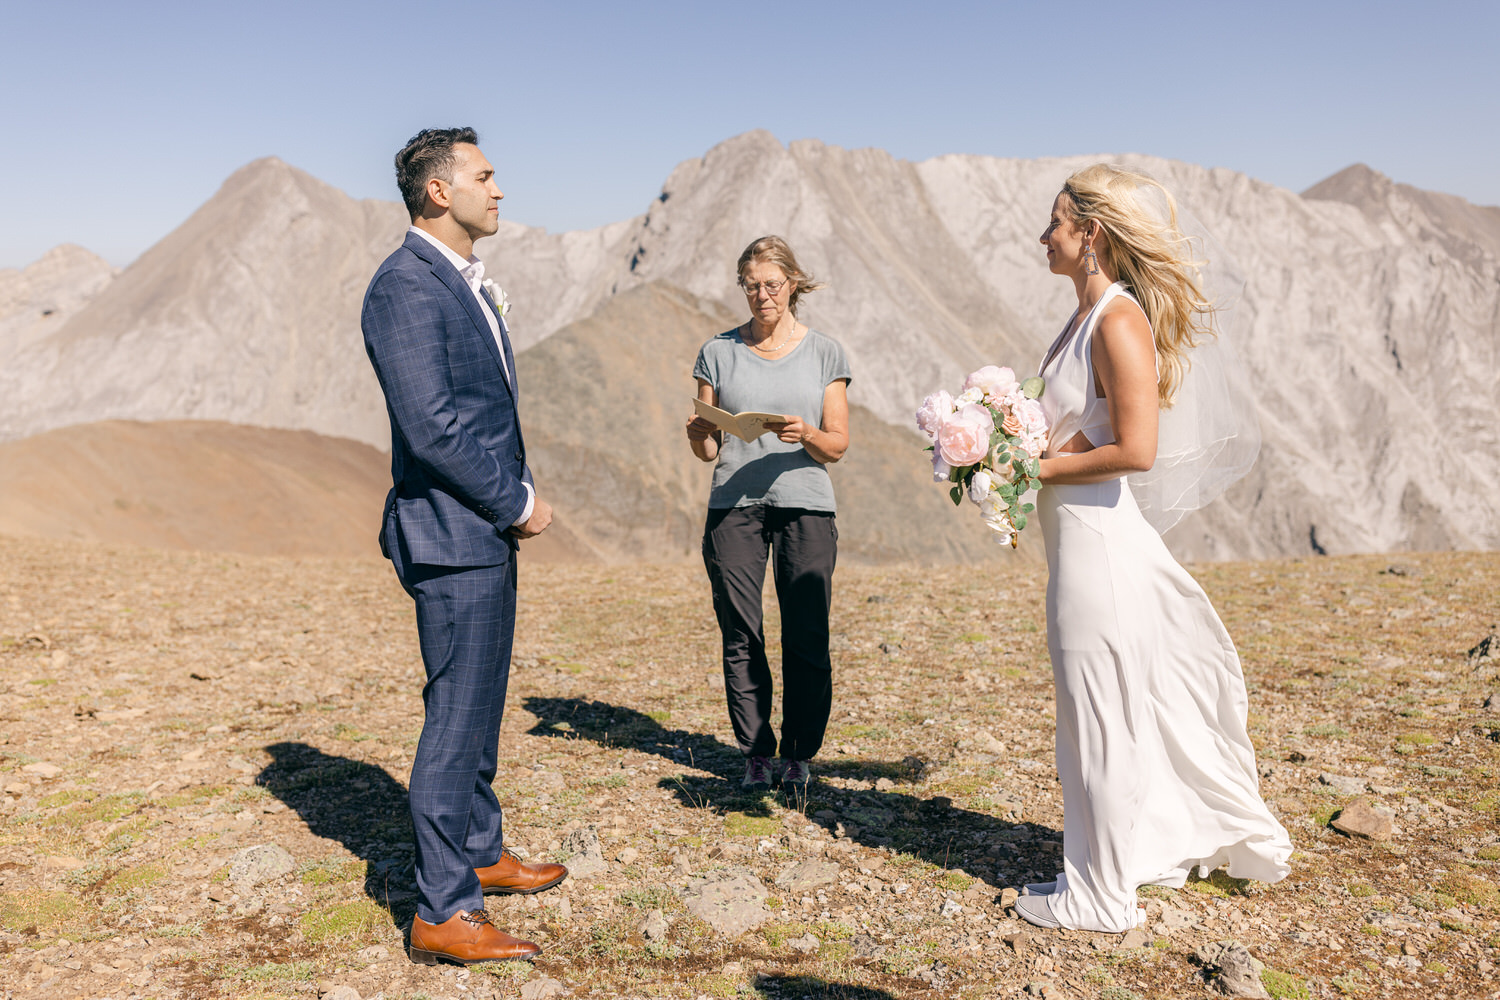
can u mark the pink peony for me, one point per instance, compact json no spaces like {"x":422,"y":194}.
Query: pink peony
{"x":992,"y":381}
{"x":934,"y":412}
{"x":964,"y":437}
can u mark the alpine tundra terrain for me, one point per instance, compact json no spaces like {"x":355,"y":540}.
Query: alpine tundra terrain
{"x":1368,"y":313}
{"x":203,"y":761}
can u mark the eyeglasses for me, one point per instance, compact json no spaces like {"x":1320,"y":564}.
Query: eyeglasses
{"x":773,"y":288}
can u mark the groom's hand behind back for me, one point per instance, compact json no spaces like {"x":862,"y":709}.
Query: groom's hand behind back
{"x":541,"y":516}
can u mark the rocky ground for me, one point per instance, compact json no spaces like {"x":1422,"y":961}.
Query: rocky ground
{"x":203,"y":762}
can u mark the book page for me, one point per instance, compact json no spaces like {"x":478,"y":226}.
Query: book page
{"x":746,"y":426}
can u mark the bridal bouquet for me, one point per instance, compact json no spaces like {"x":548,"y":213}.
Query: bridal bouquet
{"x":987,"y":443}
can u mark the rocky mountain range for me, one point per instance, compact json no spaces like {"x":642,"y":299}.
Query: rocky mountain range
{"x":1369,"y":318}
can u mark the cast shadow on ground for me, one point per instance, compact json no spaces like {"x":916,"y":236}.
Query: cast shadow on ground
{"x":783,"y":987}
{"x":356,"y":804}
{"x":999,"y":851}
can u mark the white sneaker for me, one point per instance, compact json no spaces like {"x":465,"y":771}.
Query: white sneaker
{"x":1039,"y":888}
{"x":757,"y":774}
{"x":1037,"y":910}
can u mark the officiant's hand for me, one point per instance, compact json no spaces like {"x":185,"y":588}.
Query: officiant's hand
{"x":699,"y":429}
{"x":541,"y":516}
{"x":794,"y":431}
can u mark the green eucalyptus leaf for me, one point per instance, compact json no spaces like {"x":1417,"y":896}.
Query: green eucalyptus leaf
{"x":1033,"y":387}
{"x":956,"y":495}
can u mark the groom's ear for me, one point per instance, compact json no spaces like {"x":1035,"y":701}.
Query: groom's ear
{"x":437,"y":193}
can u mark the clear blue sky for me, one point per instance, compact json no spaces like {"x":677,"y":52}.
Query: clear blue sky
{"x":119,"y":119}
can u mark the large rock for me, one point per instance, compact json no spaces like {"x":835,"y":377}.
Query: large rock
{"x":731,"y":901}
{"x":581,"y":853}
{"x":256,"y":865}
{"x":803,"y":876}
{"x":1362,"y":818}
{"x":1232,"y":969}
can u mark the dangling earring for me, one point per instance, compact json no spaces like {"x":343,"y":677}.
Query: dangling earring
{"x":1090,"y":262}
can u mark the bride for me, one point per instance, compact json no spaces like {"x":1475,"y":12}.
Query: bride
{"x":1157,"y":770}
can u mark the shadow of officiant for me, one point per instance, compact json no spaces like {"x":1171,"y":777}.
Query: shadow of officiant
{"x":1000,"y":851}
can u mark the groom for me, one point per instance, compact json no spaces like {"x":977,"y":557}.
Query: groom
{"x":462,"y":498}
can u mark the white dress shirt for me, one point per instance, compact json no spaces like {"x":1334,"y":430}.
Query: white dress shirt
{"x":472,"y":271}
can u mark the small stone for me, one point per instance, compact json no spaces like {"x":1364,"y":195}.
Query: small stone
{"x":581,"y":853}
{"x":1342,"y":783}
{"x":1008,"y":898}
{"x":1019,"y":942}
{"x":628,"y":856}
{"x":950,"y":908}
{"x":1036,"y":989}
{"x":541,"y":989}
{"x":340,"y":993}
{"x":884,"y":785}
{"x":1492,"y":703}
{"x":62,"y":862}
{"x":806,"y":944}
{"x":374,"y":953}
{"x":220,"y":894}
{"x":655,"y":926}
{"x":1408,"y":948}
{"x":864,"y":946}
{"x":1361,"y":818}
{"x":1134,"y":938}
{"x":42,"y":769}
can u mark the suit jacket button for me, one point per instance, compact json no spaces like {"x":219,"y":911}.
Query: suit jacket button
{"x":520,"y":456}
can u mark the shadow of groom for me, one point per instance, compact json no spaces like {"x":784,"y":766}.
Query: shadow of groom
{"x":1001,"y":852}
{"x":357,"y":804}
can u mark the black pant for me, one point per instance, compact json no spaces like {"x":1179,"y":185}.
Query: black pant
{"x":805,"y":546}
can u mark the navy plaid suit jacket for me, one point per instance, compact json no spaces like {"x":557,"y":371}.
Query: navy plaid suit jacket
{"x":458,"y":460}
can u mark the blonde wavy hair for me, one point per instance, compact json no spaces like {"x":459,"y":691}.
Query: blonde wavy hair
{"x":774,"y":250}
{"x":1152,"y":257}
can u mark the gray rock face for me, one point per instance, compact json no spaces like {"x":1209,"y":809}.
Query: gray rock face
{"x":655,"y":926}
{"x":1362,"y":818}
{"x":731,"y":901}
{"x":262,"y":863}
{"x":542,"y":989}
{"x":1367,"y":319}
{"x":581,"y":853}
{"x":1342,"y":783}
{"x":805,"y":875}
{"x":1235,"y":972}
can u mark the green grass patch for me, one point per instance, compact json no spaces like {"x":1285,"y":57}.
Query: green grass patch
{"x":95,"y":809}
{"x":272,"y":972}
{"x":1326,"y":729}
{"x":1360,"y":890}
{"x":655,"y":897}
{"x":1416,"y":739}
{"x":738,"y":824}
{"x":974,"y":637}
{"x":1117,"y":992}
{"x":66,"y":797}
{"x":130,"y":879}
{"x":615,"y":780}
{"x":332,"y":870}
{"x":1219,"y":883}
{"x":1472,"y":889}
{"x":361,"y":919}
{"x":957,"y":881}
{"x":351,"y":734}
{"x":777,"y":935}
{"x":1284,"y":985}
{"x":48,"y":912}
{"x":192,"y":796}
{"x":189,"y":930}
{"x":1490,"y":852}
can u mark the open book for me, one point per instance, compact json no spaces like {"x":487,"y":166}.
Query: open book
{"x":745,"y":426}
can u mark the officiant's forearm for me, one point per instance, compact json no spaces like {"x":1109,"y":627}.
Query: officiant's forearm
{"x":826,"y":446}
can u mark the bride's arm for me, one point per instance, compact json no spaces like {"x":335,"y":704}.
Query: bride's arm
{"x":1125,"y":363}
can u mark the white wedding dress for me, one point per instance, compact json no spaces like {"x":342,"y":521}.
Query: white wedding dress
{"x":1157,"y":771}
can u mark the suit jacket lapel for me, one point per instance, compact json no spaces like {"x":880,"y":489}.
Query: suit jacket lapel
{"x":445,"y":272}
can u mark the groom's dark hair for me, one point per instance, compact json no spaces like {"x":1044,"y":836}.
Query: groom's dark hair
{"x":426,"y":155}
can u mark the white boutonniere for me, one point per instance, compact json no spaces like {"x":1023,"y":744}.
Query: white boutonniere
{"x":497,"y":296}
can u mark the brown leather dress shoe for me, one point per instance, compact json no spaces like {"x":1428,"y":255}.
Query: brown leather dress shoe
{"x":466,"y":937}
{"x":509,"y":875}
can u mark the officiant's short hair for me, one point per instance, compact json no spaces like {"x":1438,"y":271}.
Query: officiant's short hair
{"x":426,"y":155}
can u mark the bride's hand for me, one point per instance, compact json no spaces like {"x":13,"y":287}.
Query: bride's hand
{"x":794,"y":431}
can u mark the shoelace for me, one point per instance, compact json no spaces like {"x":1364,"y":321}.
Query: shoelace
{"x":796,"y":773}
{"x":475,"y":917}
{"x":760,"y":770}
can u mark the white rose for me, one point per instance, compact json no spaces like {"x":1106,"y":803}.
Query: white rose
{"x":979,"y":486}
{"x":974,"y":395}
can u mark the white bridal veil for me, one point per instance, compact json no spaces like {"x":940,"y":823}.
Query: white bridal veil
{"x":1210,"y":437}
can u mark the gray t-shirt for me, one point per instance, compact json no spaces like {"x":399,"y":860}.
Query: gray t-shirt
{"x":767,"y":470}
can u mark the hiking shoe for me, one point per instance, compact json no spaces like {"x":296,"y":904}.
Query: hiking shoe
{"x":796,"y":776}
{"x":757,"y":774}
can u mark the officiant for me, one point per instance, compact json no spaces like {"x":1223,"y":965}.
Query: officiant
{"x":773,"y":495}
